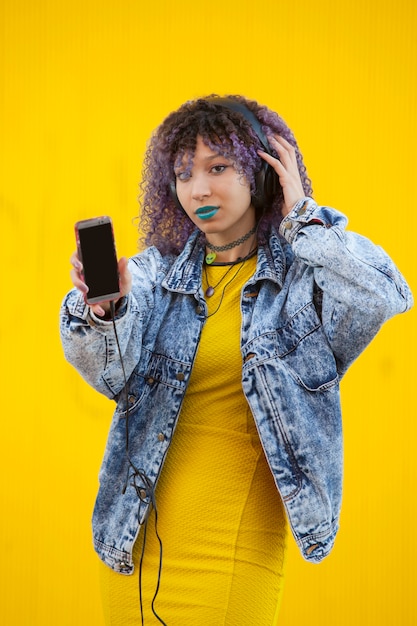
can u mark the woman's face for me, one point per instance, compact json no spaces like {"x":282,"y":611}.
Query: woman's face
{"x":214,"y":195}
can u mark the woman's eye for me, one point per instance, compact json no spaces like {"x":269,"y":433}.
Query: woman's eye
{"x":182,"y":176}
{"x":218,"y":169}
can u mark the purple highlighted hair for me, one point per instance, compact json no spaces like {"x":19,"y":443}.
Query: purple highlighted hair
{"x":162,"y":222}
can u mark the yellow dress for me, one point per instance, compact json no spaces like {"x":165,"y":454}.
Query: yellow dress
{"x":220,"y":517}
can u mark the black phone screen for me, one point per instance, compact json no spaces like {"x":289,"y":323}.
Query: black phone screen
{"x":99,"y":260}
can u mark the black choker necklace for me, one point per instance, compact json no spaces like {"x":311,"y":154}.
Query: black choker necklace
{"x":212,"y":255}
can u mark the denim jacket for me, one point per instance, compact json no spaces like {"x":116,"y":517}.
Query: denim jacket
{"x":318,"y":296}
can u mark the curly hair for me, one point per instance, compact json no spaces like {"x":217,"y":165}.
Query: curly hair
{"x":162,"y":221}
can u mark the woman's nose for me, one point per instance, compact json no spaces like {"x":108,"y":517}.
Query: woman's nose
{"x":201,"y":187}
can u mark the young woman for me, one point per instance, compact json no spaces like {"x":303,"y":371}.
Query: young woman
{"x":235,"y":327}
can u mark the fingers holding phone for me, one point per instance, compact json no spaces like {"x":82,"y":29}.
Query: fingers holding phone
{"x":76,"y":273}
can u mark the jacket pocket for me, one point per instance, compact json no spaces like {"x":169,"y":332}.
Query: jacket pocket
{"x":304,"y":349}
{"x":136,"y":392}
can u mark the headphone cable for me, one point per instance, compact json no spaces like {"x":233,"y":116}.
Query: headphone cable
{"x":148,"y":484}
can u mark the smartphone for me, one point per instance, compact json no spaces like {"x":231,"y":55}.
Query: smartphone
{"x":97,"y":252}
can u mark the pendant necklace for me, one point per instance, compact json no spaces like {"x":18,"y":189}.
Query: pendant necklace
{"x":241,"y":263}
{"x":210,"y":290}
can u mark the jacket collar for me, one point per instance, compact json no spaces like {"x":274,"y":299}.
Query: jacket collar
{"x":185,"y":274}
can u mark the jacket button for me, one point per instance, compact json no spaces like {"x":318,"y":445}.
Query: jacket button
{"x":131,"y":399}
{"x":123,"y":565}
{"x":287,"y":225}
{"x":199,"y":309}
{"x":150,"y":380}
{"x":180,"y":376}
{"x":302,"y":210}
{"x":142,"y":493}
{"x":161,"y":437}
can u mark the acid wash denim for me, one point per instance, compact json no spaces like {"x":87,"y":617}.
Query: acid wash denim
{"x":318,"y":297}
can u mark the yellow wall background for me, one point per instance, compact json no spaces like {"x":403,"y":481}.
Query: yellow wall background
{"x":83,"y":83}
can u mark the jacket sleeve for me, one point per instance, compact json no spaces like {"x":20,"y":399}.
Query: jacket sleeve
{"x":361,"y":286}
{"x":90,"y":343}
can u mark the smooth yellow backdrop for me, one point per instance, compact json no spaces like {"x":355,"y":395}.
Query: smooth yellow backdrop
{"x":83,"y":83}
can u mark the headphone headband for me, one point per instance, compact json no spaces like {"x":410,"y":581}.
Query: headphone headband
{"x":250,"y":117}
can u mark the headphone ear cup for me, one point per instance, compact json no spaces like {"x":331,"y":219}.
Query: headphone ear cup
{"x":174,"y":195}
{"x":267,"y":185}
{"x":258,"y":198}
{"x":272,"y":184}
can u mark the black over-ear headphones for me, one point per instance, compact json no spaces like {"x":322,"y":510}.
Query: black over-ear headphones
{"x":266,"y":180}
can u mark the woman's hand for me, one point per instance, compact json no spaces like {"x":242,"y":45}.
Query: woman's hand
{"x":287,"y":169}
{"x":125,"y":282}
